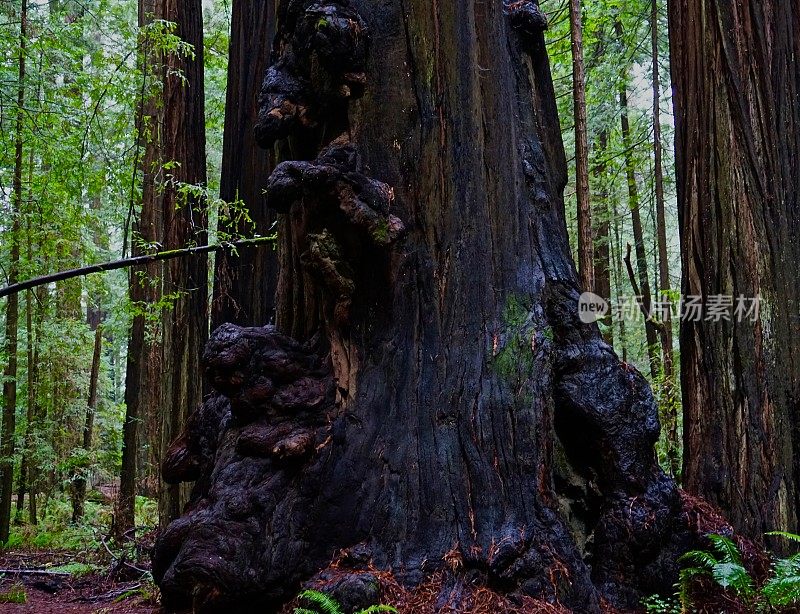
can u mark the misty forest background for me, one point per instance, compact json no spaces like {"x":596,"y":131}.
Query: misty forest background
{"x":85,"y":163}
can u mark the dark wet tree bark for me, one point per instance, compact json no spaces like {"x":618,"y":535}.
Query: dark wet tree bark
{"x":244,"y":283}
{"x":737,"y":83}
{"x":429,"y":399}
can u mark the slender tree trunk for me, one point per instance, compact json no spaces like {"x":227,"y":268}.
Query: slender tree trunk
{"x":34,"y":471}
{"x":428,"y":342}
{"x":25,"y":473}
{"x":616,"y":256}
{"x":186,"y":323}
{"x":7,"y":438}
{"x":79,"y":482}
{"x":737,"y":82}
{"x":651,"y":333}
{"x":602,"y":243}
{"x":31,"y":369}
{"x":143,"y":367}
{"x":244,"y":282}
{"x":669,"y":391}
{"x":586,"y":271}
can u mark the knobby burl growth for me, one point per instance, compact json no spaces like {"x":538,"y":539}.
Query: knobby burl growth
{"x":429,"y":401}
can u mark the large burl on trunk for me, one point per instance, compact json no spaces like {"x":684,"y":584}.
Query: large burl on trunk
{"x":429,"y":399}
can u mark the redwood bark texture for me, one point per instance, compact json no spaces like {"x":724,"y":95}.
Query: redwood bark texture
{"x":244,"y":284}
{"x":429,"y":399}
{"x":185,"y":324}
{"x":586,"y":271}
{"x":737,"y":82}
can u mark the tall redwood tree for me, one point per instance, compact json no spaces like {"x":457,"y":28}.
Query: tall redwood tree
{"x":737,"y":83}
{"x":244,"y":284}
{"x":429,"y":399}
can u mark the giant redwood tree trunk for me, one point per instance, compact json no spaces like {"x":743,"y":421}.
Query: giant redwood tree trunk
{"x":737,"y":83}
{"x":429,"y":398}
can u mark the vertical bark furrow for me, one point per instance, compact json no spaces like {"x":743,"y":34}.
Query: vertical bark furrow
{"x":737,"y":142}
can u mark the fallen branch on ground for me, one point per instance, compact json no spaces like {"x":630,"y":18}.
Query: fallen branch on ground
{"x":33,"y":572}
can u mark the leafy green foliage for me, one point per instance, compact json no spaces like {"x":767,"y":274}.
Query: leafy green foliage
{"x":320,"y":602}
{"x":783,"y":587}
{"x":77,"y":569}
{"x":617,"y":53}
{"x":56,"y":531}
{"x":82,"y":138}
{"x":723,"y":564}
{"x":14,"y":594}
{"x":655,"y":604}
{"x":317,"y":602}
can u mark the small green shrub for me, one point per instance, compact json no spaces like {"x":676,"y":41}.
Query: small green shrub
{"x":15,"y":594}
{"x":662,"y":605}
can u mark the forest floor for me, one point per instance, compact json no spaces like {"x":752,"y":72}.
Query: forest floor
{"x":59,"y":582}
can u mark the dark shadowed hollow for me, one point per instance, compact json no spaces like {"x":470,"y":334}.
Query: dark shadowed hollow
{"x":428,"y":400}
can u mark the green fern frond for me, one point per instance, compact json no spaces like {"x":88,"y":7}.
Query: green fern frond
{"x":792,"y":537}
{"x":324,"y":603}
{"x":783,"y":591}
{"x":685,"y":581}
{"x":376,"y":609}
{"x":704,"y":559}
{"x":726,"y":547}
{"x":304,"y":611}
{"x":733,"y":576}
{"x":787,"y":567}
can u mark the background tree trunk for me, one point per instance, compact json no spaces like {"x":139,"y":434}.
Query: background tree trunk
{"x":586,"y":272}
{"x":736,"y":84}
{"x":668,"y":400}
{"x":79,"y":481}
{"x":429,"y":399}
{"x":185,"y":323}
{"x":7,"y":439}
{"x":602,"y":224}
{"x":244,"y":283}
{"x":634,"y":204}
{"x":143,"y":368}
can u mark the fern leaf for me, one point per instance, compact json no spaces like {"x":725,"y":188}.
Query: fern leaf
{"x":733,"y":576}
{"x":787,"y":567}
{"x":685,"y":582}
{"x":726,"y":547}
{"x":376,"y":609}
{"x":782,"y":591}
{"x":792,"y":537}
{"x":304,"y":611}
{"x":324,"y":603}
{"x":704,"y":559}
